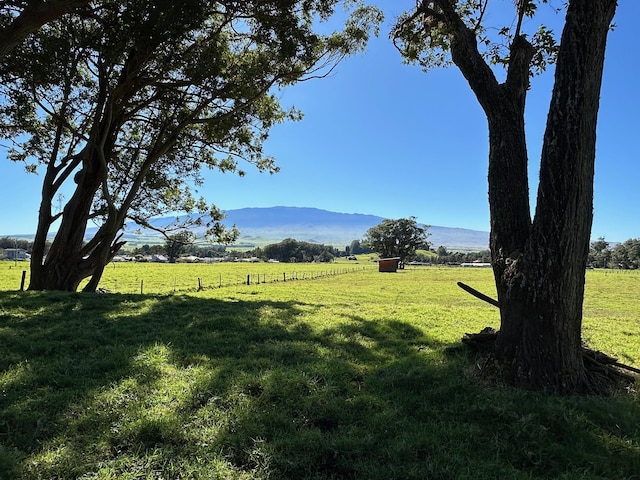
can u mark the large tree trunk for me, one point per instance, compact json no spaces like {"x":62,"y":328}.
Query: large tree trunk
{"x":541,"y":287}
{"x":64,"y":267}
{"x":538,"y":265}
{"x":70,"y":259}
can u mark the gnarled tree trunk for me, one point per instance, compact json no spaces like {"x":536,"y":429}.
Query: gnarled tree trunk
{"x":65,"y":265}
{"x":540,"y":276}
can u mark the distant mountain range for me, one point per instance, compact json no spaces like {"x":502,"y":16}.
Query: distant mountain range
{"x":261,"y":226}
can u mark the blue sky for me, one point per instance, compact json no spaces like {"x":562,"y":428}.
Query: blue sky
{"x":383,"y":138}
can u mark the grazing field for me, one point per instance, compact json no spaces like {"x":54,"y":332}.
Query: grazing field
{"x":340,"y":375}
{"x":163,"y":278}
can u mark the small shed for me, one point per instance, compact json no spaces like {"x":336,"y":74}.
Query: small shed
{"x":388,"y":264}
{"x":16,"y":253}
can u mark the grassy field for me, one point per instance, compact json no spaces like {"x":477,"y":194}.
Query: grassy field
{"x":164,"y":278}
{"x":337,"y":376}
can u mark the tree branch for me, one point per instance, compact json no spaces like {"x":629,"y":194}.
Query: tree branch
{"x":35,"y":15}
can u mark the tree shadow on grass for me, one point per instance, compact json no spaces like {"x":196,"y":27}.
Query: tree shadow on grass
{"x":190,"y":387}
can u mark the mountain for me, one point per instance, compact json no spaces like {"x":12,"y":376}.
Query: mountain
{"x":261,"y":226}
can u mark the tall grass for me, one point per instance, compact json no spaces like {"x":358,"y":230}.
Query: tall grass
{"x":344,"y":376}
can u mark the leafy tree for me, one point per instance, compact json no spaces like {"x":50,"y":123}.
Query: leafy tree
{"x":157,"y":249}
{"x":626,"y":255}
{"x":19,"y":18}
{"x":539,"y":264}
{"x":292,"y":251}
{"x":600,"y":254}
{"x":397,"y":238}
{"x":8,"y":242}
{"x":447,"y":257}
{"x":357,"y":248}
{"x":126,"y":106}
{"x":177,"y":244}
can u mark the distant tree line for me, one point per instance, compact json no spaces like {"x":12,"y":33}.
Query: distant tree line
{"x":194,"y":249}
{"x":624,"y":255}
{"x":8,"y":242}
{"x":445,"y":257}
{"x":293,"y":251}
{"x":287,"y":251}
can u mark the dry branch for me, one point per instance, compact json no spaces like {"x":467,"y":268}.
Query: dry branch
{"x":594,"y":361}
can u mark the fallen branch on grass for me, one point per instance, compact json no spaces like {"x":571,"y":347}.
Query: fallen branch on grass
{"x":595,"y":361}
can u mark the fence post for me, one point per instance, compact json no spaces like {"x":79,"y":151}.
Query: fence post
{"x":141,"y":286}
{"x":199,"y":284}
{"x":284,"y":277}
{"x":249,"y":279}
{"x":24,"y":276}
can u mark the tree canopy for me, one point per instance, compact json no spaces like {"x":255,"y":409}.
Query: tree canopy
{"x":124,"y":106}
{"x":397,"y":238}
{"x":19,"y":18}
{"x":177,"y":243}
{"x":625,"y":255}
{"x":294,"y":251}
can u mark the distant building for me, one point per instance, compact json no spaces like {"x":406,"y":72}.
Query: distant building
{"x":388,"y":264}
{"x":16,"y":254}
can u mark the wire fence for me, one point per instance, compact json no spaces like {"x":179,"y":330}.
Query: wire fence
{"x":214,"y":280}
{"x":157,"y":278}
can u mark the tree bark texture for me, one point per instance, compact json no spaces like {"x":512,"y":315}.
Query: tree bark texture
{"x":541,"y":284}
{"x":66,"y":264}
{"x":539,"y":265}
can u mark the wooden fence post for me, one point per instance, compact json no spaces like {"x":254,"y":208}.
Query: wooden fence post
{"x":24,"y":276}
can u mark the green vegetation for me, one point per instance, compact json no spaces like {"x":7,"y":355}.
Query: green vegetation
{"x":340,"y":377}
{"x":290,"y":250}
{"x":397,"y":238}
{"x":163,"y":278}
{"x":176,"y":88}
{"x":625,"y":255}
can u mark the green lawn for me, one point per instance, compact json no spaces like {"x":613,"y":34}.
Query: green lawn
{"x":340,"y":376}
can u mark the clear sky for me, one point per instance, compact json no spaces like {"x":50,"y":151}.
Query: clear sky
{"x":383,"y":138}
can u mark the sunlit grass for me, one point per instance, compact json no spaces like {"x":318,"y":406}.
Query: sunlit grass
{"x":164,"y":278}
{"x":343,"y":376}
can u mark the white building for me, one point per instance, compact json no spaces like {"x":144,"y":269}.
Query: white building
{"x":16,"y":254}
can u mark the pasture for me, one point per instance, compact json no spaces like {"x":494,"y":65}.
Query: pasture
{"x":164,"y":278}
{"x":334,"y":375}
